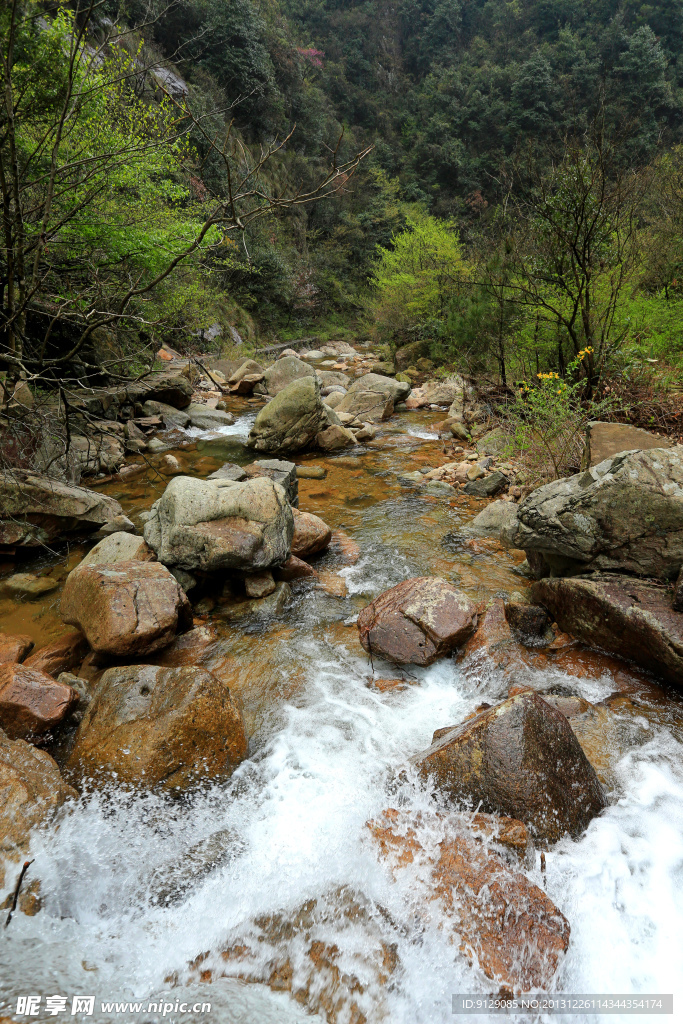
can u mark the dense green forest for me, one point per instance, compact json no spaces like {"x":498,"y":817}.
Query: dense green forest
{"x":498,"y":181}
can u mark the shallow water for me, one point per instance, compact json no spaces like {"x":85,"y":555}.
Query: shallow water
{"x":136,"y":889}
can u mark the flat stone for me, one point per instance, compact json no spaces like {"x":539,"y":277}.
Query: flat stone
{"x":204,"y":418}
{"x":118,"y":547}
{"x":605,"y":440}
{"x":311,"y":472}
{"x":258,"y":608}
{"x":37,"y":510}
{"x":228,"y":471}
{"x":25,"y":584}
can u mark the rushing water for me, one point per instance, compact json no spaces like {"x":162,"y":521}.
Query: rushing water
{"x":135,"y":890}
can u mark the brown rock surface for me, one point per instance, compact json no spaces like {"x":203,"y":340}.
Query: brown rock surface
{"x":295,"y":569}
{"x":503,"y":921}
{"x":605,"y":440}
{"x":519,"y":758}
{"x":159,"y":727}
{"x":32,"y":790}
{"x":260,"y":584}
{"x":631,"y":618}
{"x":311,"y":534}
{"x":14,"y":648}
{"x":36,"y":509}
{"x":61,"y":655}
{"x":417,"y":621}
{"x":31,"y":702}
{"x":127,"y":608}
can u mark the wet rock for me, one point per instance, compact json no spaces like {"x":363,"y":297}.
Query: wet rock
{"x":439,"y":489}
{"x":118,"y":547}
{"x":294,"y":569}
{"x":417,"y":621}
{"x":394,"y":389}
{"x":119,"y":524}
{"x":32,"y":792}
{"x":500,"y":919}
{"x":204,"y":418}
{"x":150,"y":726}
{"x":495,"y":521}
{"x":367,"y":406}
{"x":280,"y":472}
{"x":220,"y":524}
{"x":366,"y":433}
{"x":292,"y":420}
{"x":25,"y":584}
{"x":228,"y":471}
{"x":186,"y":580}
{"x":624,"y":515}
{"x":260,"y":584}
{"x":519,"y":758}
{"x":345,"y":546}
{"x":414,"y":479}
{"x":333,"y":398}
{"x":191,"y":648}
{"x":436,"y":393}
{"x":631,"y":618}
{"x":125,"y":608}
{"x":258,"y":608}
{"x":284,"y":372}
{"x":31,"y":702}
{"x":61,"y":655}
{"x":311,"y":534}
{"x":332,"y":583}
{"x":170,"y":465}
{"x":37,"y":510}
{"x":605,"y":440}
{"x":487,"y":487}
{"x":334,"y":438}
{"x":14,"y":648}
{"x":311,"y":472}
{"x":528,"y":619}
{"x":171,"y":417}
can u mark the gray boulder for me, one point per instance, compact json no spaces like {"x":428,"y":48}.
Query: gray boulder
{"x":395,"y":389}
{"x":624,"y":515}
{"x":291,"y":421}
{"x":172,"y":417}
{"x":497,"y":520}
{"x":35,"y":510}
{"x":282,"y":373}
{"x":333,"y":378}
{"x":221,"y":524}
{"x":366,"y":406}
{"x":208,"y":419}
{"x":280,"y":471}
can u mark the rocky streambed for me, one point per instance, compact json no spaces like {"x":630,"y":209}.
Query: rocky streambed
{"x":279,"y":815}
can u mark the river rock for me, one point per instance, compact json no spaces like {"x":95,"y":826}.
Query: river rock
{"x":228,"y":471}
{"x":204,"y":418}
{"x":248,"y":368}
{"x":257,"y":608}
{"x":31,"y":702}
{"x":631,"y":618}
{"x":295,"y":569}
{"x":366,"y":406}
{"x":417,"y":621}
{"x":436,"y":393}
{"x":332,"y":378}
{"x":125,"y":608}
{"x":292,"y":420}
{"x":334,"y":438}
{"x":150,"y":726}
{"x":311,"y":534}
{"x":171,"y":416}
{"x":519,"y":758}
{"x":332,"y":397}
{"x":32,"y":791}
{"x":396,"y":390}
{"x":61,"y":655}
{"x":408,"y":354}
{"x":118,"y":547}
{"x":26,"y":584}
{"x":280,"y":472}
{"x":284,"y":372}
{"x":624,"y":515}
{"x":14,"y":648}
{"x":495,"y":521}
{"x":220,"y":524}
{"x":37,"y":510}
{"x":259,"y":584}
{"x":168,"y":386}
{"x":605,"y":440}
{"x":500,"y":919}
{"x":488,"y":486}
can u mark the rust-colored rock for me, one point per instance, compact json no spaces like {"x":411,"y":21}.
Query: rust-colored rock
{"x":259,"y":584}
{"x":32,"y":790}
{"x":149,"y":726}
{"x":191,"y":648}
{"x":295,"y":569}
{"x":504,"y":922}
{"x":311,"y":534}
{"x":31,"y":702}
{"x":519,"y":758}
{"x":417,"y":621}
{"x":346,"y":546}
{"x":14,"y":648}
{"x":125,"y":608}
{"x":61,"y":655}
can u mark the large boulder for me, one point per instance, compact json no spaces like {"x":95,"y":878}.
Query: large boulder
{"x":366,"y":406}
{"x":605,"y":440}
{"x":168,"y":386}
{"x":437,"y":392}
{"x":417,"y":621}
{"x":499,"y":918}
{"x":333,"y":378}
{"x":311,"y":535}
{"x":32,"y":791}
{"x":409,"y":354}
{"x":31,"y":702}
{"x":395,"y":389}
{"x":291,"y":421}
{"x":494,"y":521}
{"x":519,"y":758}
{"x":221,"y":524}
{"x":119,"y":547}
{"x":151,"y":726}
{"x":204,"y":418}
{"x":35,"y":510}
{"x":624,"y":515}
{"x":631,"y":618}
{"x":284,"y":372}
{"x":125,"y":608}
